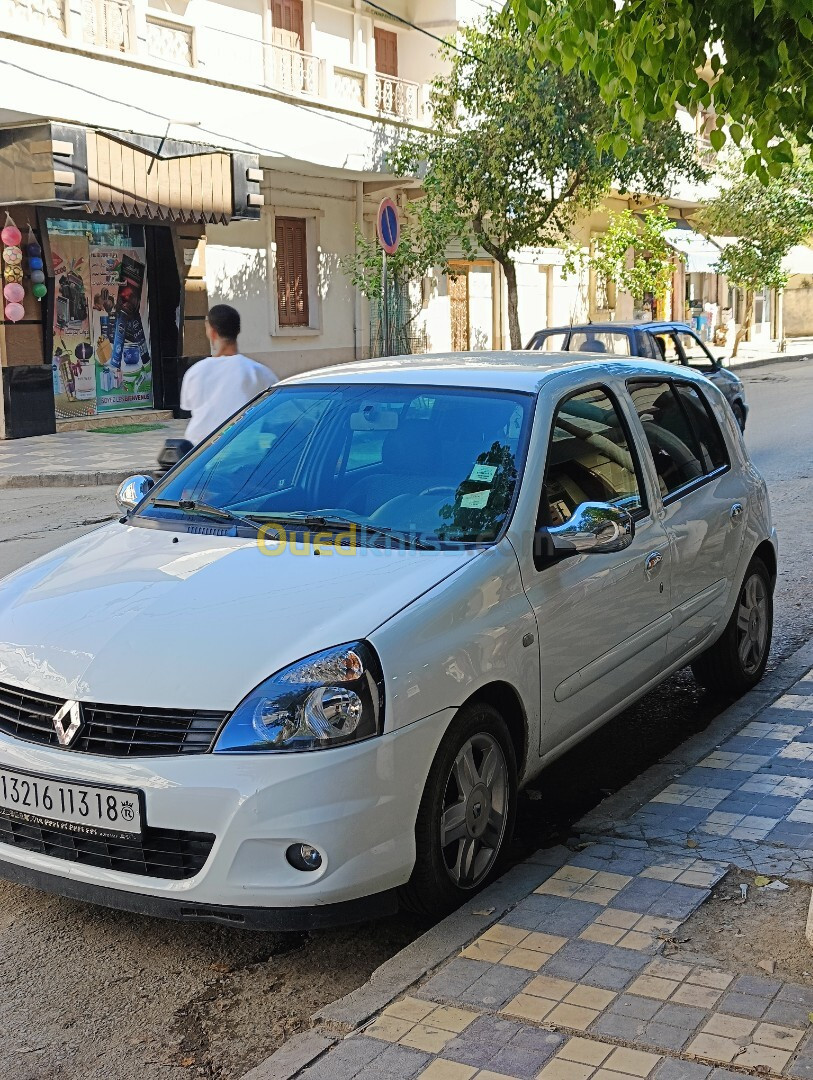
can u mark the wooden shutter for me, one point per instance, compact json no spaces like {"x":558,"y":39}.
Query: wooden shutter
{"x":288,"y":19}
{"x":292,"y":271}
{"x":386,"y":52}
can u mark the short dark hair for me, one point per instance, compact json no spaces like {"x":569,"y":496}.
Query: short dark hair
{"x":225,"y":321}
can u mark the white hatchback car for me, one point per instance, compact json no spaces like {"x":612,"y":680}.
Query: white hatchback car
{"x":305,"y":675}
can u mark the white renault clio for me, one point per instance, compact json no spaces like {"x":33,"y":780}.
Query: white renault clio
{"x":305,"y":675}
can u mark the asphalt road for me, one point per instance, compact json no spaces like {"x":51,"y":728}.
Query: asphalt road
{"x":88,"y":993}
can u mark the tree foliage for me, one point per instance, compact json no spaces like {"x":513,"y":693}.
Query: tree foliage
{"x":748,"y":61}
{"x":515,"y":148}
{"x":765,"y":220}
{"x":651,"y":269}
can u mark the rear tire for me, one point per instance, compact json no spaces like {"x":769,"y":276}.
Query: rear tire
{"x":736,"y":662}
{"x":466,"y":817}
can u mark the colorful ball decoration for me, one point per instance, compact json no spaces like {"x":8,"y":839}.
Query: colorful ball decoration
{"x":10,"y":234}
{"x":39,"y":291}
{"x":14,"y":292}
{"x":34,"y":250}
{"x":34,"y":261}
{"x":13,"y":273}
{"x":14,"y":312}
{"x":37,"y":276}
{"x":12,"y":255}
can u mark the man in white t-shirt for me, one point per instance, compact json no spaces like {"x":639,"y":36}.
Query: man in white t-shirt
{"x":215,"y":388}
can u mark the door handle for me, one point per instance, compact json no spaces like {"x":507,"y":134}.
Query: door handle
{"x":652,"y":562}
{"x":736,"y":512}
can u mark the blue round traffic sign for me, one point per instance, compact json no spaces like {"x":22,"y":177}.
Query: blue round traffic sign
{"x":389,"y":227}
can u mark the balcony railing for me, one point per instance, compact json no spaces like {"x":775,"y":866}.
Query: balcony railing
{"x":397,"y":97}
{"x":291,"y":70}
{"x":348,"y":87}
{"x":107,"y":23}
{"x":46,"y":15}
{"x":170,"y":42}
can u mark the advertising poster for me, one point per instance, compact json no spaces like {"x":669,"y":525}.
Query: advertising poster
{"x":120,"y":327}
{"x":72,"y":362}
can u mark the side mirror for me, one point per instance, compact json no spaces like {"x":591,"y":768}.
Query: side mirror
{"x":594,"y":528}
{"x":132,"y":490}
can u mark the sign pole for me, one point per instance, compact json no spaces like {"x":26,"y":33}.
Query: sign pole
{"x":385,"y":314}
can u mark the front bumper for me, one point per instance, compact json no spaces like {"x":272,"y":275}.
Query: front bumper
{"x":357,"y":805}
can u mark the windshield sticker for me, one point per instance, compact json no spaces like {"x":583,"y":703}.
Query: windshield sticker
{"x":484,"y":473}
{"x":475,"y":501}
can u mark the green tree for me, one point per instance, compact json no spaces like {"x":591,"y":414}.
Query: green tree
{"x":653,"y":263}
{"x":749,"y":61}
{"x":766,"y":219}
{"x":514,"y":154}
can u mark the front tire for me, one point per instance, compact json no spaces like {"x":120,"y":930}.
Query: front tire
{"x":736,"y":662}
{"x":466,"y":817}
{"x":739,"y":414}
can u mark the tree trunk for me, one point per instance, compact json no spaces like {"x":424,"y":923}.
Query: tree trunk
{"x":514,"y":332}
{"x":745,"y":325}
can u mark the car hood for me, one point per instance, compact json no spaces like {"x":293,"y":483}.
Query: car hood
{"x":137,"y":616}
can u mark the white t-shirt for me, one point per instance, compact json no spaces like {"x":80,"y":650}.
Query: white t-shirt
{"x":215,"y":388}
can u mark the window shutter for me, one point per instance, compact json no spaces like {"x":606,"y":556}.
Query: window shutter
{"x":288,"y":19}
{"x":292,"y":271}
{"x":386,"y":52}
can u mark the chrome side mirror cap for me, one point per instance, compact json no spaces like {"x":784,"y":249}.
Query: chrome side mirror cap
{"x":132,"y":490}
{"x":594,"y":528}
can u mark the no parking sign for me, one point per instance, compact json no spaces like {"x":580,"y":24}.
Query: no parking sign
{"x":389,"y":227}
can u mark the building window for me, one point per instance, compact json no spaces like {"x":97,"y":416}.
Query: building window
{"x":288,"y":19}
{"x":386,"y":52}
{"x":292,"y":271}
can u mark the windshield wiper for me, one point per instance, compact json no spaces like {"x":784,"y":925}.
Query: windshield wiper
{"x":320,"y":521}
{"x":189,"y":506}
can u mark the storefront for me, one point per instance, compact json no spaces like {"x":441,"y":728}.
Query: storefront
{"x":119,"y":223}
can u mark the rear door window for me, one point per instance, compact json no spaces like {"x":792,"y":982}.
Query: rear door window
{"x":695,"y":352}
{"x":683,"y":436}
{"x":551,"y":341}
{"x":667,"y":346}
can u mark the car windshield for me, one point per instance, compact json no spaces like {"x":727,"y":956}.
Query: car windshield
{"x":433,"y":463}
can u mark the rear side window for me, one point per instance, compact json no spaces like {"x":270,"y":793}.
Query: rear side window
{"x":555,"y":341}
{"x":685,"y":442}
{"x":600,"y":341}
{"x":590,"y":458}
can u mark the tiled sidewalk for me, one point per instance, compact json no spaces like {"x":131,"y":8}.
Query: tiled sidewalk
{"x":571,"y":984}
{"x":82,"y":455}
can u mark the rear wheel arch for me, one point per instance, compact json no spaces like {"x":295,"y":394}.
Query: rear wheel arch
{"x":767,"y":553}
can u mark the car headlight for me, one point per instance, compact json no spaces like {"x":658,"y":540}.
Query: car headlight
{"x":329,"y":699}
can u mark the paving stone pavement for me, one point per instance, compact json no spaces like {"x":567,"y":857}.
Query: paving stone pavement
{"x":572,"y":983}
{"x":82,"y":454}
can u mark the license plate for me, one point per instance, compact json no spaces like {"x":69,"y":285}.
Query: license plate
{"x":82,"y":808}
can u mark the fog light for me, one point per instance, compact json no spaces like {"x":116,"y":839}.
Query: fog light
{"x":303,"y":857}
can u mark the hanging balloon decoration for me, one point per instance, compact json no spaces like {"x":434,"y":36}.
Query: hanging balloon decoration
{"x":35,"y":266}
{"x":13,"y":291}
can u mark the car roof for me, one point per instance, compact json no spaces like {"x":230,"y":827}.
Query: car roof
{"x":525,"y":371}
{"x":621,"y":324}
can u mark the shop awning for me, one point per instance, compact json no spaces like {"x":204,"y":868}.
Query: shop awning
{"x":702,"y":254}
{"x":63,"y":165}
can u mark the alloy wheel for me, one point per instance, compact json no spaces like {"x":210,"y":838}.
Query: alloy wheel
{"x":475,"y":810}
{"x":752,"y":624}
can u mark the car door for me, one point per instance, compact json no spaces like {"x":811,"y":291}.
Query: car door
{"x":602,"y":619}
{"x":695,"y":354}
{"x":703,"y":499}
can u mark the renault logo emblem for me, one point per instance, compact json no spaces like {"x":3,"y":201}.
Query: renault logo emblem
{"x":67,"y":722}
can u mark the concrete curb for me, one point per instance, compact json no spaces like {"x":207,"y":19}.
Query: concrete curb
{"x":426,"y":953}
{"x":744,"y":366}
{"x":71,"y":479}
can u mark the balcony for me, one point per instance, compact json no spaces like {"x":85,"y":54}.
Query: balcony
{"x":107,"y":23}
{"x":170,"y":41}
{"x":291,"y":70}
{"x":397,"y":97}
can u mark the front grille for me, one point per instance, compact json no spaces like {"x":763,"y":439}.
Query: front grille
{"x":110,"y":730}
{"x":161,"y":853}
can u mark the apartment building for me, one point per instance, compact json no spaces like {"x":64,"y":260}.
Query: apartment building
{"x":167,"y":154}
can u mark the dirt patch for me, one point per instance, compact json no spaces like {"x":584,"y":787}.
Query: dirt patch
{"x":765,"y":935}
